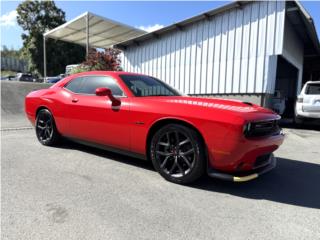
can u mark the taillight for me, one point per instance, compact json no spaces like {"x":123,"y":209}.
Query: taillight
{"x":299,"y":99}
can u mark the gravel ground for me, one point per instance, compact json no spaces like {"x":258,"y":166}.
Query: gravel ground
{"x":77,"y":192}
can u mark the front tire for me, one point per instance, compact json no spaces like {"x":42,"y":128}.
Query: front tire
{"x":46,"y":130}
{"x":177,"y":153}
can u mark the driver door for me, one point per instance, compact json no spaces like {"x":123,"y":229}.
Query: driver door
{"x":92,"y":118}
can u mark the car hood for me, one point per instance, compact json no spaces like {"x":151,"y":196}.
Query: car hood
{"x":207,"y":107}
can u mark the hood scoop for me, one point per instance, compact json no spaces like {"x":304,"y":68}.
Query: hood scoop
{"x":248,"y":103}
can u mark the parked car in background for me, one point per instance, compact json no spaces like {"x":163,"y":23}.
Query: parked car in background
{"x":25,"y":77}
{"x":70,"y":67}
{"x":308,"y":103}
{"x":8,"y":78}
{"x":138,"y":115}
{"x":12,"y":78}
{"x":54,"y":79}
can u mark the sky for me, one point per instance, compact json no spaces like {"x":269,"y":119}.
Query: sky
{"x":147,"y":15}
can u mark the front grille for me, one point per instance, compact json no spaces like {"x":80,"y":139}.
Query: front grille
{"x":262,"y":128}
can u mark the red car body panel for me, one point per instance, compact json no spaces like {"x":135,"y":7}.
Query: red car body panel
{"x":94,"y":119}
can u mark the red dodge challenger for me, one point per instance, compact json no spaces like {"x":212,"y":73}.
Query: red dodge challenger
{"x":141,"y":116}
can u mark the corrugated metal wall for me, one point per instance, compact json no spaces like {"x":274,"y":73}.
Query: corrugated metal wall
{"x":228,"y":54}
{"x":13,"y":64}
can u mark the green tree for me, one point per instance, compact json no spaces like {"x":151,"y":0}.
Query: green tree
{"x":10,"y":53}
{"x":35,"y":18}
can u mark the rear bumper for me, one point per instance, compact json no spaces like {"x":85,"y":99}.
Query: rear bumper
{"x":31,"y":119}
{"x":314,"y":115}
{"x":301,"y":113}
{"x":244,"y":176}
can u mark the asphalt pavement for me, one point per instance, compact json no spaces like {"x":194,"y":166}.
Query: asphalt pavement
{"x":12,"y":102}
{"x":77,"y":192}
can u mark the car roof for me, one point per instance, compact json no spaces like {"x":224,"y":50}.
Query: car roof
{"x":310,"y":82}
{"x":109,"y":73}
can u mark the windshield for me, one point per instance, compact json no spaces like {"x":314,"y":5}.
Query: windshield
{"x":144,"y":86}
{"x":313,"y":89}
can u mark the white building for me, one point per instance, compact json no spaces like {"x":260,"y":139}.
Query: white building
{"x":246,"y":50}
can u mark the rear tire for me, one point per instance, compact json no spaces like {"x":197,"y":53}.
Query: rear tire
{"x":178,"y":154}
{"x":46,"y":130}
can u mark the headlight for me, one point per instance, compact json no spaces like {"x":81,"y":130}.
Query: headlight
{"x":261,"y":128}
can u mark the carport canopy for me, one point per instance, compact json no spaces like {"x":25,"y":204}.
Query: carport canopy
{"x":91,"y":30}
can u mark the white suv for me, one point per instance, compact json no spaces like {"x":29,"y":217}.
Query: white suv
{"x":308,"y":103}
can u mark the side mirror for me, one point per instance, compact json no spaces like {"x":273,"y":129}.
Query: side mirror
{"x":107,"y":92}
{"x":103,"y":92}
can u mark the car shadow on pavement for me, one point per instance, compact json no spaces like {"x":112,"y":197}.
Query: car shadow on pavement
{"x":68,"y":144}
{"x":291,"y":182}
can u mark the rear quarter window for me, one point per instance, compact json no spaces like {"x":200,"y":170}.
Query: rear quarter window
{"x":87,"y":85}
{"x":74,"y":85}
{"x":313,"y":89}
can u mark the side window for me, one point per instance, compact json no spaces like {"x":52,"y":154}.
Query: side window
{"x":75,"y":85}
{"x":91,"y":83}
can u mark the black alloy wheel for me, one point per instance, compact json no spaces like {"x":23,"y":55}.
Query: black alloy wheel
{"x":46,"y":131}
{"x":177,"y":153}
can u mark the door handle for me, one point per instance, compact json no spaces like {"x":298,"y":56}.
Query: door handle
{"x":75,"y":100}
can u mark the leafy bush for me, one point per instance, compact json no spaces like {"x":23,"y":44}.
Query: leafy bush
{"x":107,"y":60}
{"x":79,"y":69}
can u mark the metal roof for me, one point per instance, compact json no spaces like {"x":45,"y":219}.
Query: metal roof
{"x":103,"y":32}
{"x":309,"y":36}
{"x":304,"y":26}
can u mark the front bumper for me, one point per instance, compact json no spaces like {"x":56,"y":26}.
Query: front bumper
{"x":244,"y":176}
